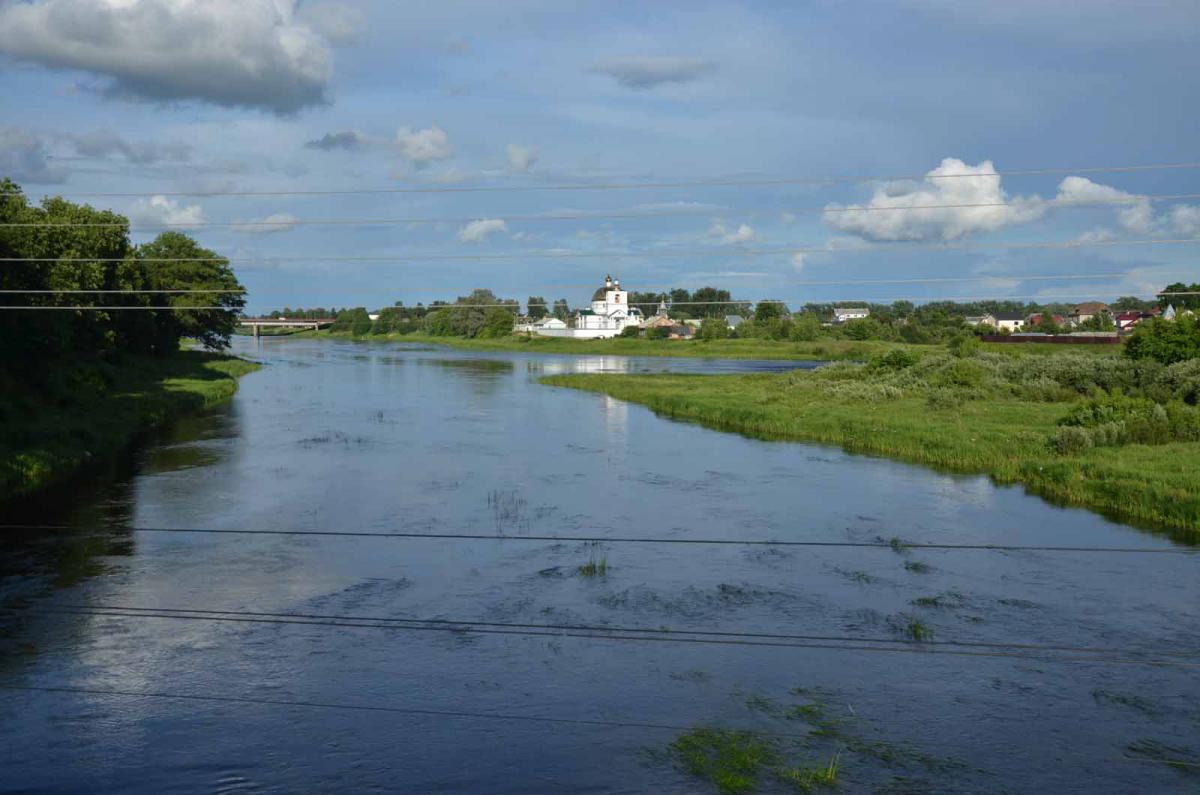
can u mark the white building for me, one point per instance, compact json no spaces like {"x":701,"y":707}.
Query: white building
{"x":609,"y":315}
{"x":843,"y":314}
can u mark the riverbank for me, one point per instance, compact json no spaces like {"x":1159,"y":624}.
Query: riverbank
{"x":91,"y":413}
{"x":1002,"y":435}
{"x":820,"y":349}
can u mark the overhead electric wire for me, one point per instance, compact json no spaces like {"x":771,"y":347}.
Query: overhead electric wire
{"x":791,"y":283}
{"x":716,"y":182}
{"x":601,"y":216}
{"x":645,"y":254}
{"x":662,"y":638}
{"x":468,"y":624}
{"x":896,"y":545}
{"x":516,"y":304}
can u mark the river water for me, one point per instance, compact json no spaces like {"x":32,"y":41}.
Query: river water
{"x":383,"y":438}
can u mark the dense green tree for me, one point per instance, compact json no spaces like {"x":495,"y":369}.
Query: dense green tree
{"x":769,"y":310}
{"x":1192,"y":301}
{"x":562,"y":310}
{"x":536,"y":307}
{"x":176,"y":262}
{"x":713,"y":328}
{"x":1166,"y":341}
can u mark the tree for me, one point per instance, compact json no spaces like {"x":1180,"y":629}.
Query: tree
{"x":713,"y":328}
{"x":1166,"y":341}
{"x":1180,"y":301}
{"x":768,"y":310}
{"x":536,"y":307}
{"x":806,"y":327}
{"x":1131,"y":303}
{"x":176,"y":262}
{"x":497,"y":322}
{"x":1046,"y":324}
{"x":562,"y":309}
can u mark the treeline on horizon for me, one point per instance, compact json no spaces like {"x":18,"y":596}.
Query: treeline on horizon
{"x":74,"y":255}
{"x":484,"y":314}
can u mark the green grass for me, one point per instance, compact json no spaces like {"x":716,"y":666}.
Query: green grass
{"x":806,"y":779}
{"x":730,"y":760}
{"x":90,"y":413}
{"x":1002,"y":435}
{"x":593,"y":568}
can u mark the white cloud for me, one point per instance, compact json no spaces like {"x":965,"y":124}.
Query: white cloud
{"x":901,"y":210}
{"x":24,"y":158}
{"x":276,"y":222}
{"x":247,"y":53}
{"x":743,"y":234}
{"x":798,"y":261}
{"x":521,"y":158}
{"x":338,"y":22}
{"x":1185,"y":219}
{"x":478,"y":231}
{"x":1135,"y":214}
{"x":646,"y":71}
{"x":165,"y":211}
{"x":422,"y":147}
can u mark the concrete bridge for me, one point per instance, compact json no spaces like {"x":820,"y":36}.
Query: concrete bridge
{"x":256,"y":323}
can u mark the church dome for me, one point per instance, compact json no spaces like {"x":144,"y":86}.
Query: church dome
{"x":600,"y":293}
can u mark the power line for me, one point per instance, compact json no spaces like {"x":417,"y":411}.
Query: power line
{"x":801,"y":282}
{"x":663,"y":638}
{"x":284,"y":224}
{"x":515,"y":304}
{"x":720,"y":182}
{"x":647,"y":254}
{"x":169,"y":612}
{"x":895,"y":545}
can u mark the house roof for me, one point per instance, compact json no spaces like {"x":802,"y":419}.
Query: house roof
{"x":1091,"y":308}
{"x":734,"y":320}
{"x":1008,"y":316}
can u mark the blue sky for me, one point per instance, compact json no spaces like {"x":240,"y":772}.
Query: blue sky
{"x":164,"y":96}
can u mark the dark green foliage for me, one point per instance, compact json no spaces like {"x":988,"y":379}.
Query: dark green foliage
{"x":1112,"y":420}
{"x":658,"y":333}
{"x":536,"y":307}
{"x":77,"y":247}
{"x":631,"y":331}
{"x":479,"y":314}
{"x":1166,"y":341}
{"x":713,"y":328}
{"x":356,"y":321}
{"x":731,"y":760}
{"x":1180,"y":302}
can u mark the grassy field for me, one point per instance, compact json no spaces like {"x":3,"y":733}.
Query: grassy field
{"x":822,"y":349}
{"x":91,"y":413}
{"x":1004,"y":436}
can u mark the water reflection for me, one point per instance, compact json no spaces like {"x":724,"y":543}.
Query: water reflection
{"x":377,"y":438}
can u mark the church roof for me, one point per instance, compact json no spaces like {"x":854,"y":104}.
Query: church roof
{"x":600,"y":293}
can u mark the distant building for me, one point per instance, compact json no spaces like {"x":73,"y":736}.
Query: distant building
{"x":1008,"y":321}
{"x":1169,"y":312}
{"x":1086,"y":311}
{"x":608,"y":315}
{"x":981,"y":320}
{"x":528,"y":325}
{"x":1036,"y":318}
{"x":844,"y":314}
{"x":733,"y":321}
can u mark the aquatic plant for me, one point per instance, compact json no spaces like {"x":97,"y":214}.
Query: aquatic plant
{"x":729,"y":759}
{"x":806,"y":779}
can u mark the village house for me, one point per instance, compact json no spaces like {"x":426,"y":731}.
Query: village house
{"x":844,"y":314}
{"x":733,"y":321}
{"x":1086,"y":311}
{"x":981,"y":320}
{"x":1008,"y":321}
{"x":1036,"y":318}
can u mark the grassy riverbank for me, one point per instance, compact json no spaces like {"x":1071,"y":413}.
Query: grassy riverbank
{"x":92,"y":412}
{"x":984,"y":427}
{"x":820,"y":349}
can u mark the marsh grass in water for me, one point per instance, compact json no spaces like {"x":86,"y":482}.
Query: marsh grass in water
{"x":1004,"y":427}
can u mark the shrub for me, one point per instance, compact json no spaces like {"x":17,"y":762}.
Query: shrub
{"x":658,"y":333}
{"x":1070,"y":439}
{"x":941,"y":398}
{"x":1166,"y":341}
{"x":806,"y":327}
{"x":713,"y":328}
{"x":1120,"y":419}
{"x":1182,"y":381}
{"x":897,"y":359}
{"x":963,"y":372}
{"x":631,"y":331}
{"x":964,"y":346}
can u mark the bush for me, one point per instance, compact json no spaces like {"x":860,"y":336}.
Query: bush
{"x":658,"y":333}
{"x":1166,"y":341}
{"x":964,"y":346}
{"x":897,"y":359}
{"x":1119,"y":419}
{"x":631,"y":331}
{"x":713,"y":328}
{"x":806,"y":327}
{"x":941,"y":398}
{"x":1182,"y":381}
{"x":1070,"y":439}
{"x":963,"y":372}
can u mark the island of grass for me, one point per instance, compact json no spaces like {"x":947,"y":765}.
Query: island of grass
{"x":1118,"y":436}
{"x":90,"y":412}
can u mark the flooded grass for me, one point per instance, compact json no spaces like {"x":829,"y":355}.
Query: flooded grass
{"x":1183,"y":760}
{"x":730,"y":760}
{"x":1127,"y":700}
{"x":943,"y":600}
{"x":593,"y":568}
{"x":917,"y":567}
{"x":806,"y":779}
{"x":916,"y":629}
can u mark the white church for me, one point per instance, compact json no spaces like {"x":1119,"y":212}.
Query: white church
{"x":610,"y":314}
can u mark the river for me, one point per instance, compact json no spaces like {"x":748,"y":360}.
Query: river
{"x":387,"y":438}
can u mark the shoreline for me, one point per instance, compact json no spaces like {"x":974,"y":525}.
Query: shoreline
{"x":824,"y":349}
{"x":42,"y":447}
{"x":1151,"y":487}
